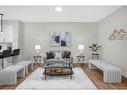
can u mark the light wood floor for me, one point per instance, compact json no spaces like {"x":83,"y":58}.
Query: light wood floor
{"x":94,"y":75}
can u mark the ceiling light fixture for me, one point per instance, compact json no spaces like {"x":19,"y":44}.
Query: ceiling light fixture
{"x":1,"y":23}
{"x":58,"y":9}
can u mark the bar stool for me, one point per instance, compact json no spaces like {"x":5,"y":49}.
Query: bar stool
{"x":5,"y":54}
{"x":15,"y":53}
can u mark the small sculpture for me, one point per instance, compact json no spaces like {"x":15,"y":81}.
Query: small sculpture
{"x":118,"y":35}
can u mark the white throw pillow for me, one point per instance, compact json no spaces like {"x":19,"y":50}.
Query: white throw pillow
{"x":58,"y":55}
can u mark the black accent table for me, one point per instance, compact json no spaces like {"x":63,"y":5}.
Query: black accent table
{"x":95,"y":56}
{"x":58,"y":69}
{"x":80,"y":58}
{"x":37,"y":59}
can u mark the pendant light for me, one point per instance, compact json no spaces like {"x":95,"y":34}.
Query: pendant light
{"x":1,"y":23}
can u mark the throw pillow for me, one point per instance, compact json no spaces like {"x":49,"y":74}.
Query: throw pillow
{"x":49,"y":55}
{"x":66,"y":54}
{"x":58,"y":55}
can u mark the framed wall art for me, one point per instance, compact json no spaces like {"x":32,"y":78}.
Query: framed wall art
{"x":60,"y":39}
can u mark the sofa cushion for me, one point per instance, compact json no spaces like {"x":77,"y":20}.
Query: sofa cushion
{"x":55,"y":60}
{"x":49,"y":55}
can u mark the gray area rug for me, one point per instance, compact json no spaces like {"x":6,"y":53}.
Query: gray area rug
{"x":36,"y":81}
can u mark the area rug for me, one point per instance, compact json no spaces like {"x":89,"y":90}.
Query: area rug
{"x":36,"y":81}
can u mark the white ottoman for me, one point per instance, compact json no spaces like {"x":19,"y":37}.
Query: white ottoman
{"x":8,"y":76}
{"x":27,"y":64}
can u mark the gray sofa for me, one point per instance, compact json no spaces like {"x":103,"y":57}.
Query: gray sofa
{"x":55,"y":60}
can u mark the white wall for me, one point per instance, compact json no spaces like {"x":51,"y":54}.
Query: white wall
{"x":38,"y":33}
{"x":114,"y":52}
{"x":20,"y":41}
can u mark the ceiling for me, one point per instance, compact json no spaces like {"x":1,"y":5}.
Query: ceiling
{"x":48,"y":13}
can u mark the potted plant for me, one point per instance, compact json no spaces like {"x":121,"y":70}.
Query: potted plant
{"x":94,"y":47}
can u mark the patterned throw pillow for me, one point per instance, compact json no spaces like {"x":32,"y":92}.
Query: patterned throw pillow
{"x":58,"y":55}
